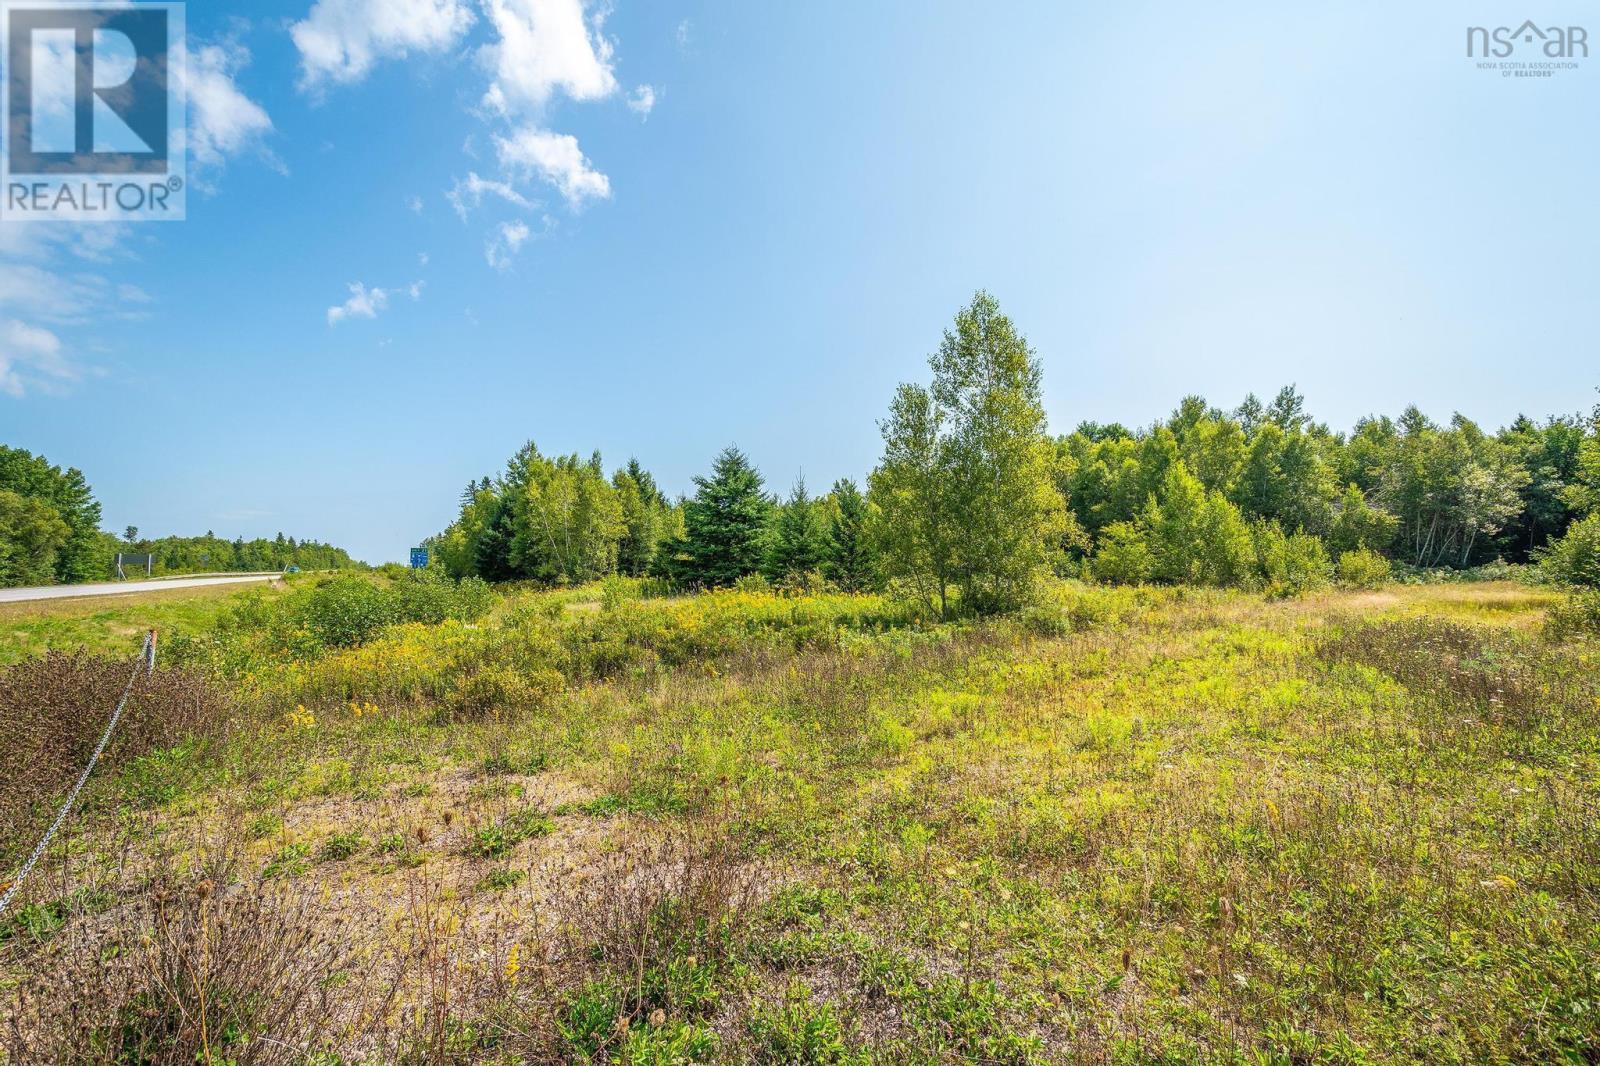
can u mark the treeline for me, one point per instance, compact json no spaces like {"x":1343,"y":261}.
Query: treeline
{"x":973,"y":500}
{"x":50,"y":534}
{"x":49,"y":523}
{"x":210,"y":553}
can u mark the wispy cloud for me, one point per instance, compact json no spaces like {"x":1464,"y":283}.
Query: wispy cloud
{"x":223,"y":120}
{"x":642,"y":100}
{"x":46,"y":297}
{"x":469,"y":192}
{"x":506,"y":242}
{"x":31,"y":356}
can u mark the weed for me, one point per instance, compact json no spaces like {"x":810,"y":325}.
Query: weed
{"x":289,"y":861}
{"x":501,"y":877}
{"x":498,"y":838}
{"x":341,"y":846}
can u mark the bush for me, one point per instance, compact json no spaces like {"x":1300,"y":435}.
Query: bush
{"x":1575,"y":558}
{"x":1576,"y":616}
{"x":487,"y":691}
{"x":344,"y":611}
{"x":53,"y":710}
{"x":1123,"y":556}
{"x":1293,"y":563}
{"x":187,"y":975}
{"x":1363,"y":569}
{"x":349,"y":610}
{"x":756,"y":583}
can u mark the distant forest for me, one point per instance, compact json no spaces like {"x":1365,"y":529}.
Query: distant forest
{"x":973,"y":498}
{"x":50,"y":534}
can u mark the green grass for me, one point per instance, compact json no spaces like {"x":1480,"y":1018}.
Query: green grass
{"x":1130,"y":826}
{"x":113,"y":625}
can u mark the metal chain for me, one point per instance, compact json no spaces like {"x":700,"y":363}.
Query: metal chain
{"x":147,"y":659}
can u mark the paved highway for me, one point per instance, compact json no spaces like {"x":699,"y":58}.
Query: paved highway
{"x":124,"y":588}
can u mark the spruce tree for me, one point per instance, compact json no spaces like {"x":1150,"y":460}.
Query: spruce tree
{"x":725,"y":523}
{"x":799,"y":539}
{"x":849,"y":560}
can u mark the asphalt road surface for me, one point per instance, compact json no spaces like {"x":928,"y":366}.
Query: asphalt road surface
{"x":124,"y":588}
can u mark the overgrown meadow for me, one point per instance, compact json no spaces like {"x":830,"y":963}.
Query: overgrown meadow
{"x":374,"y":821}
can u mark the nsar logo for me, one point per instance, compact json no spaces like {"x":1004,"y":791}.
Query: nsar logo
{"x":1553,"y":42}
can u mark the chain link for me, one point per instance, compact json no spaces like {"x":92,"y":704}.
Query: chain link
{"x":147,"y":660}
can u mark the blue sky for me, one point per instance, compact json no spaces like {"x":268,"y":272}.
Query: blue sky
{"x":1167,"y":198}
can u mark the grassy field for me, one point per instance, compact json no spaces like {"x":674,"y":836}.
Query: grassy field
{"x":109,"y":624}
{"x":1129,"y":826}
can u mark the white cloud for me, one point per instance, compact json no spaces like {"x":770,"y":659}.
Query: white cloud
{"x":545,"y":46}
{"x":414,"y":204}
{"x":363,"y":303}
{"x":30,"y":355}
{"x":684,"y":34}
{"x":39,"y":301}
{"x":506,"y":243}
{"x":556,"y":158}
{"x":367,"y":303}
{"x":469,"y":192}
{"x":341,"y":40}
{"x":223,"y":121}
{"x":642,"y":100}
{"x":422,"y":258}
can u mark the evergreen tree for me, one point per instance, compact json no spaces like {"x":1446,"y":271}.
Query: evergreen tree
{"x":491,"y":551}
{"x":849,"y":560}
{"x":1288,"y":410}
{"x":725,"y":523}
{"x":799,"y":541}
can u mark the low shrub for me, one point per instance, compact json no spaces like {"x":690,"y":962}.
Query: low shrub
{"x":1363,"y":568}
{"x":187,"y":975}
{"x":348,"y":610}
{"x":482,"y":693}
{"x":1578,"y":615}
{"x":53,"y":710}
{"x":1575,"y":558}
{"x":1292,"y":563}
